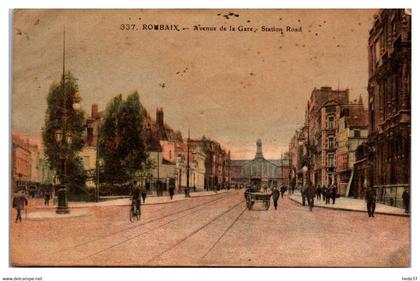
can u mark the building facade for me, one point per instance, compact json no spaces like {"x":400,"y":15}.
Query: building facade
{"x":267,"y":172}
{"x":297,"y":152}
{"x":321,"y":117}
{"x":217,"y":162}
{"x":352,"y":132}
{"x":389,"y":108}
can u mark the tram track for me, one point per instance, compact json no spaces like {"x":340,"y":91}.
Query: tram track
{"x":133,"y":227}
{"x":197,"y":230}
{"x":198,"y":208}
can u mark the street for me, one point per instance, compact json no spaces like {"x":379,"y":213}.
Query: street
{"x":214,"y":230}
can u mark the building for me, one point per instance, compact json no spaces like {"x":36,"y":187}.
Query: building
{"x":267,"y":172}
{"x":352,"y":132}
{"x":361,"y":168}
{"x":321,"y":118}
{"x":217,"y":163}
{"x":89,"y":151}
{"x":297,"y":151}
{"x":29,"y":165}
{"x":196,"y":166}
{"x":389,"y":88}
{"x":21,"y":159}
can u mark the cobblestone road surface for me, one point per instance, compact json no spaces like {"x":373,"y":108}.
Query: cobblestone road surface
{"x":214,"y":231}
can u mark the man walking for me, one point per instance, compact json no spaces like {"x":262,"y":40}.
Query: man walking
{"x":276,"y":195}
{"x":47,"y":197}
{"x":333,"y":193}
{"x":283,"y":190}
{"x":19,"y":203}
{"x":328,"y":195}
{"x":318,"y":192}
{"x":310,"y":193}
{"x":303,"y":191}
{"x":406,"y":200}
{"x":371,"y":201}
{"x":171,"y":192}
{"x":324,"y":193}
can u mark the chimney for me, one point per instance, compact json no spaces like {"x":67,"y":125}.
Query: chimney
{"x":360,"y":100}
{"x":94,"y":111}
{"x":159,"y":117}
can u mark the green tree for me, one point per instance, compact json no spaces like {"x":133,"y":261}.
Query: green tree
{"x":61,"y":116}
{"x":121,"y":145}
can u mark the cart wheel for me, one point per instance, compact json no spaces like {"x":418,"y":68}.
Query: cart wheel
{"x":249,"y":205}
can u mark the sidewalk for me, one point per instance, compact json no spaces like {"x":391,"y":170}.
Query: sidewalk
{"x":351,"y":204}
{"x":150,"y":200}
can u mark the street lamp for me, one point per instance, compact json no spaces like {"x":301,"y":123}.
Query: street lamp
{"x":62,"y":204}
{"x":304,"y":170}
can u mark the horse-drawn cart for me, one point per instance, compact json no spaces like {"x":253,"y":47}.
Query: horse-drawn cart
{"x":252,"y":197}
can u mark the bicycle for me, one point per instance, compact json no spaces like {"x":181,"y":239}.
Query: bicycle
{"x":134,"y":211}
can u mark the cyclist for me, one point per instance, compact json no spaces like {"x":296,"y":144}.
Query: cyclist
{"x":135,"y":199}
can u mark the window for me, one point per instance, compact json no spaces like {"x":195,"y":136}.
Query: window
{"x":331,"y":160}
{"x":331,"y":142}
{"x":331,"y":122}
{"x":357,"y":133}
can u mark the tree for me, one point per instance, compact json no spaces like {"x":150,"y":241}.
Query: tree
{"x":60,"y":116}
{"x":122,"y":144}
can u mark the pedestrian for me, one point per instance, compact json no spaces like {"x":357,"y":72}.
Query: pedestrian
{"x":303,"y":191}
{"x":324,"y":193}
{"x":19,"y":203}
{"x":318,"y":192}
{"x":135,"y":195}
{"x":276,"y":194}
{"x":310,"y":193}
{"x":333,"y":193}
{"x":47,"y":197}
{"x":171,"y":192}
{"x":143,"y":194}
{"x":371,"y":201}
{"x":283,"y":190}
{"x":406,"y":200}
{"x":328,"y":195}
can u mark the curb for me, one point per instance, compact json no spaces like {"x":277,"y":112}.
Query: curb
{"x":82,"y":215}
{"x":351,"y":210}
{"x":158,"y":203}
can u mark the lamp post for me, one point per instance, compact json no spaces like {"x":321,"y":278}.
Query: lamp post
{"x":64,"y":138}
{"x":187,"y":193}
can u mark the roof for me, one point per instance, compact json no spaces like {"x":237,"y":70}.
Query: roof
{"x":357,"y":117}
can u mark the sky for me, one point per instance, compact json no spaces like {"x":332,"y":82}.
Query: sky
{"x":232,"y":86}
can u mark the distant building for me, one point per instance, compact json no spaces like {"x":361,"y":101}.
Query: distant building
{"x":297,"y":151}
{"x":321,"y":117}
{"x":390,"y":104}
{"x":268,"y":172}
{"x":217,"y":159}
{"x":28,"y":163}
{"x":352,"y":132}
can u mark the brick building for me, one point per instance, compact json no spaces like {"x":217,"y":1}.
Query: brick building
{"x":321,"y":117}
{"x":390,"y":103}
{"x":352,"y":132}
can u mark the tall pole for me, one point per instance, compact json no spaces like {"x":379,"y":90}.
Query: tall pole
{"x":97,"y":164}
{"x":188,"y":163}
{"x":62,"y":207}
{"x":309,"y":149}
{"x":158,"y":182}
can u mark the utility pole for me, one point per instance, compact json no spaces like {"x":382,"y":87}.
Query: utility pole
{"x":158,"y":181}
{"x":187,"y":194}
{"x":97,"y":164}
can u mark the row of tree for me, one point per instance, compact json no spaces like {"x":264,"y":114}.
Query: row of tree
{"x":121,"y":143}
